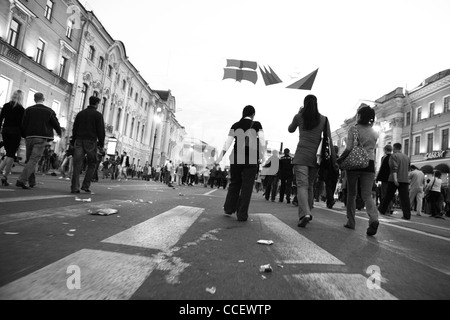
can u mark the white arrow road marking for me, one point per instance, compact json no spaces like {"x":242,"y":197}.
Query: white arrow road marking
{"x":292,"y":247}
{"x":160,"y":232}
{"x":104,"y":275}
{"x":335,"y":286}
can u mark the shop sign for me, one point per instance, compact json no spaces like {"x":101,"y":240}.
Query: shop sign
{"x":435,"y":155}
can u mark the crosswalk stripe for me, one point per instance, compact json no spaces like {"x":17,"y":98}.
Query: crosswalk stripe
{"x":292,"y":247}
{"x":21,"y":199}
{"x":335,"y":286}
{"x":160,"y":232}
{"x":103,"y":275}
{"x":70,"y":211}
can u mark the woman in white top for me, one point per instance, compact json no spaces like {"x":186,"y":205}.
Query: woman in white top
{"x":435,"y":194}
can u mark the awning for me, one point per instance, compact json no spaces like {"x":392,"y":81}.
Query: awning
{"x":427,"y":169}
{"x":442,"y":168}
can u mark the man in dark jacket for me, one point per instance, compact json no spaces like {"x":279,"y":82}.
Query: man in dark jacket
{"x":88,"y":136}
{"x":286,"y":175}
{"x":383,"y":175}
{"x":38,"y":124}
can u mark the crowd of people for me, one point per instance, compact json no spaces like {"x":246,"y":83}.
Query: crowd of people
{"x":301,"y":177}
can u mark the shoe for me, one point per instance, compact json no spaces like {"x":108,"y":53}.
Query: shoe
{"x":227,"y":213}
{"x":329,"y":207}
{"x":68,"y":179}
{"x":304,"y":221}
{"x":281,"y":201}
{"x":403,"y":218}
{"x":348,"y":227}
{"x":60,"y":178}
{"x":22,"y":185}
{"x":295,"y":203}
{"x":288,"y":201}
{"x":242,"y":219}
{"x":5,"y":182}
{"x":418,"y":214}
{"x":32,"y":185}
{"x":86,"y":190}
{"x":439,"y":217}
{"x":373,"y":228}
{"x":273,"y":200}
{"x":78,"y":191}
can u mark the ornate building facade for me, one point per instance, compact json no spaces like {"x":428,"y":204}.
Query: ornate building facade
{"x":418,"y":119}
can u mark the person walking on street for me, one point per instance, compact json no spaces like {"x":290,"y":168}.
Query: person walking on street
{"x":416,"y":185}
{"x":399,"y":164}
{"x":363,"y":133}
{"x":248,"y":150}
{"x":67,"y":162}
{"x":310,"y":124}
{"x":88,"y":136}
{"x":123,"y":166}
{"x":331,"y":177}
{"x":272,"y":176}
{"x":383,"y":175}
{"x":434,"y":187}
{"x":192,"y":174}
{"x":180,"y":174}
{"x":286,"y":174}
{"x":10,"y":123}
{"x":38,"y":124}
{"x":206,"y":177}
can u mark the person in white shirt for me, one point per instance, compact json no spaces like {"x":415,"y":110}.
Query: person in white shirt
{"x":416,"y":184}
{"x":192,"y":174}
{"x":434,"y":186}
{"x":205,"y":177}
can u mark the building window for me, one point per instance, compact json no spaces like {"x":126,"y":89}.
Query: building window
{"x":84,"y":91}
{"x":62,"y":67}
{"x":126,"y":124}
{"x":419,"y":114}
{"x":101,"y":62}
{"x":136,"y":97}
{"x":104,"y":105}
{"x":142,"y":134}
{"x":117,"y":78}
{"x":69,"y":29}
{"x":14,"y":32}
{"x":408,"y":118}
{"x":110,"y":71}
{"x":146,"y":106}
{"x":132,"y":128}
{"x":124,"y":85}
{"x":91,"y":53}
{"x":406,"y":143}
{"x":118,"y":117}
{"x":137,"y":131}
{"x":49,"y":10}
{"x":444,"y":145}
{"x":130,"y":93}
{"x":95,"y":94}
{"x":40,"y":51}
{"x":430,"y":142}
{"x":417,"y":146}
{"x":446,"y":104}
{"x":142,"y":102}
{"x":431,"y":109}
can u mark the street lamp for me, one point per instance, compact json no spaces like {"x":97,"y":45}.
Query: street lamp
{"x":157,"y":121}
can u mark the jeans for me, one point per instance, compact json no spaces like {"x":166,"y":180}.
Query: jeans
{"x":366,"y":180}
{"x":34,"y":150}
{"x":403,"y":192}
{"x":271,"y":187}
{"x":84,"y":148}
{"x":384,"y":187}
{"x":240,"y":190}
{"x":305,"y":177}
{"x":286,"y":187}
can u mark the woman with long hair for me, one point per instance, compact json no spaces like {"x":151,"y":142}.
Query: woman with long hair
{"x":310,"y":124}
{"x":368,"y":139}
{"x":11,"y":123}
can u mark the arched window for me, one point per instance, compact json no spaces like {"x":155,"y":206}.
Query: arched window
{"x":104,"y":105}
{"x":132,"y":128}
{"x":84,"y":91}
{"x":118,"y":118}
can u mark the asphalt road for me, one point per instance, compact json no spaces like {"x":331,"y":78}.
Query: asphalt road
{"x":176,"y":244}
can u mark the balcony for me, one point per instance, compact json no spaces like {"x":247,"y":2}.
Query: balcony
{"x":16,"y":56}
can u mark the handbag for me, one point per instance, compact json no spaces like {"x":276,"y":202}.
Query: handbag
{"x":323,"y":148}
{"x":358,"y":157}
{"x":327,"y":163}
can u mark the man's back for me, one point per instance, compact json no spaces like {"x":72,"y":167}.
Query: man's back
{"x":417,"y":179}
{"x":399,"y":163}
{"x":39,"y":122}
{"x":89,"y":125}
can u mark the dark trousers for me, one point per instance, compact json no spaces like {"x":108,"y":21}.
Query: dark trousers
{"x":330,"y":188}
{"x":286,"y":187}
{"x":435,"y":203}
{"x":271,"y":187}
{"x":240,"y":190}
{"x":403,"y":192}
{"x":82,"y":148}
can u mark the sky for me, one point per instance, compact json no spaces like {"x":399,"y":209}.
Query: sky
{"x":363,"y":50}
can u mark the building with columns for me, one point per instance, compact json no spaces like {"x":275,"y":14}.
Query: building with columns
{"x":418,"y":119}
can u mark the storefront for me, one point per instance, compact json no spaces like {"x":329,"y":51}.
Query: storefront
{"x":437,"y":160}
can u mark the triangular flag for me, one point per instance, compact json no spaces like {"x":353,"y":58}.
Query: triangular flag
{"x":276,"y":77}
{"x":265,"y":76}
{"x":270,"y":77}
{"x":306,"y":83}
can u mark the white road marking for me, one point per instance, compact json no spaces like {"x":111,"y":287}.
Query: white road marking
{"x":21,"y":199}
{"x":104,"y":275}
{"x":292,"y":247}
{"x":210,"y":192}
{"x":160,"y":232}
{"x":70,"y":211}
{"x":335,"y":286}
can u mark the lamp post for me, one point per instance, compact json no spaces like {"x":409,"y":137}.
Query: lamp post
{"x":157,"y":121}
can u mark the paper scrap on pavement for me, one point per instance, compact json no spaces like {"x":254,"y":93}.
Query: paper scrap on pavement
{"x":70,"y":235}
{"x":83,"y":200}
{"x":266,"y":242}
{"x":105,"y":212}
{"x":211,"y":290}
{"x":11,"y":233}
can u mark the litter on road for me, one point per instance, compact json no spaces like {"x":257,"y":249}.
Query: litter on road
{"x":266,"y":242}
{"x":211,"y":290}
{"x":70,"y":235}
{"x":105,"y":212}
{"x":11,"y":233}
{"x":265,"y":268}
{"x":83,"y":200}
